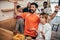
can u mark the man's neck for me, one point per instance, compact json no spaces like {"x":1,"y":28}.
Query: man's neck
{"x":45,"y":7}
{"x":32,"y":13}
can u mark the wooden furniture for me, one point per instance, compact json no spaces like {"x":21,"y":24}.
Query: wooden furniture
{"x":5,"y":34}
{"x":8,"y":24}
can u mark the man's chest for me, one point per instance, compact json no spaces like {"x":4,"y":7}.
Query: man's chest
{"x":32,"y":18}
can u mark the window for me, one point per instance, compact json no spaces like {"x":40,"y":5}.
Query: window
{"x":53,"y":4}
{"x":40,"y":0}
{"x":54,"y":1}
{"x":59,"y":3}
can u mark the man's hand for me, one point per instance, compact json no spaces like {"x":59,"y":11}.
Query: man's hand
{"x":42,"y":34}
{"x":56,"y":8}
{"x":15,"y":2}
{"x":33,"y":29}
{"x":12,"y":1}
{"x":59,"y":7}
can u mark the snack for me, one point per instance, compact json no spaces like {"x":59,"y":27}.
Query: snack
{"x":19,"y":37}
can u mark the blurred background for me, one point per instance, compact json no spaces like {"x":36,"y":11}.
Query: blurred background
{"x":7,"y":21}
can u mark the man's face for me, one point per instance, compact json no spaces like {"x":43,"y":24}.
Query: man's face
{"x":45,"y":5}
{"x":32,"y":8}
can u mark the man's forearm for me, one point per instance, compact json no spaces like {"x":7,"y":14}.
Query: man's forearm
{"x":54,"y":14}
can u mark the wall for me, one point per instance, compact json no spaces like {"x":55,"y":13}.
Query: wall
{"x":8,"y":5}
{"x":5,"y":15}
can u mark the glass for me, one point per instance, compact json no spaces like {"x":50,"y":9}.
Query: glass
{"x":54,"y":0}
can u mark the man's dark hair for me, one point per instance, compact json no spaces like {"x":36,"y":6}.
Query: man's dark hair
{"x":45,"y":2}
{"x":36,"y":5}
{"x":18,"y":6}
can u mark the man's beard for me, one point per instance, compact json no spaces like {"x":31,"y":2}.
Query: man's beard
{"x":31,"y":11}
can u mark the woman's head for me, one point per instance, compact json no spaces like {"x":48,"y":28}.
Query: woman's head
{"x":29,"y":4}
{"x":43,"y":17}
{"x":19,"y":9}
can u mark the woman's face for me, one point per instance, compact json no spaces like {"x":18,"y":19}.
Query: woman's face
{"x":19,"y":9}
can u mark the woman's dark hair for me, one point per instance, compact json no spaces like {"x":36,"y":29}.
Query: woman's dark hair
{"x":44,"y":15}
{"x":36,"y":5}
{"x":18,"y":6}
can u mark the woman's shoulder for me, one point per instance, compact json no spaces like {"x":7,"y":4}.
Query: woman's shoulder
{"x":48,"y":25}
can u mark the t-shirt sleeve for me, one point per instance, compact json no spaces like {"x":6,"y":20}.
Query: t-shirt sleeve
{"x":38,"y":20}
{"x":23,"y":15}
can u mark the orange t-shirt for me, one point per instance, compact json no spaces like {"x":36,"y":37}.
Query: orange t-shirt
{"x":31,"y":21}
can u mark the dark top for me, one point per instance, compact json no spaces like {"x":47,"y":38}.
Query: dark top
{"x":26,"y":9}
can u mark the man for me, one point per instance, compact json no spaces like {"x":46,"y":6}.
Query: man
{"x":46,"y":9}
{"x":32,"y":20}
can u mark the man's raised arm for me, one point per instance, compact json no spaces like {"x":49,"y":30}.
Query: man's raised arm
{"x":55,"y":12}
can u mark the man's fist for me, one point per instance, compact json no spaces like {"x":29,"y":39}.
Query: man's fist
{"x":14,"y":1}
{"x":59,"y":7}
{"x":33,"y":29}
{"x":56,"y":8}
